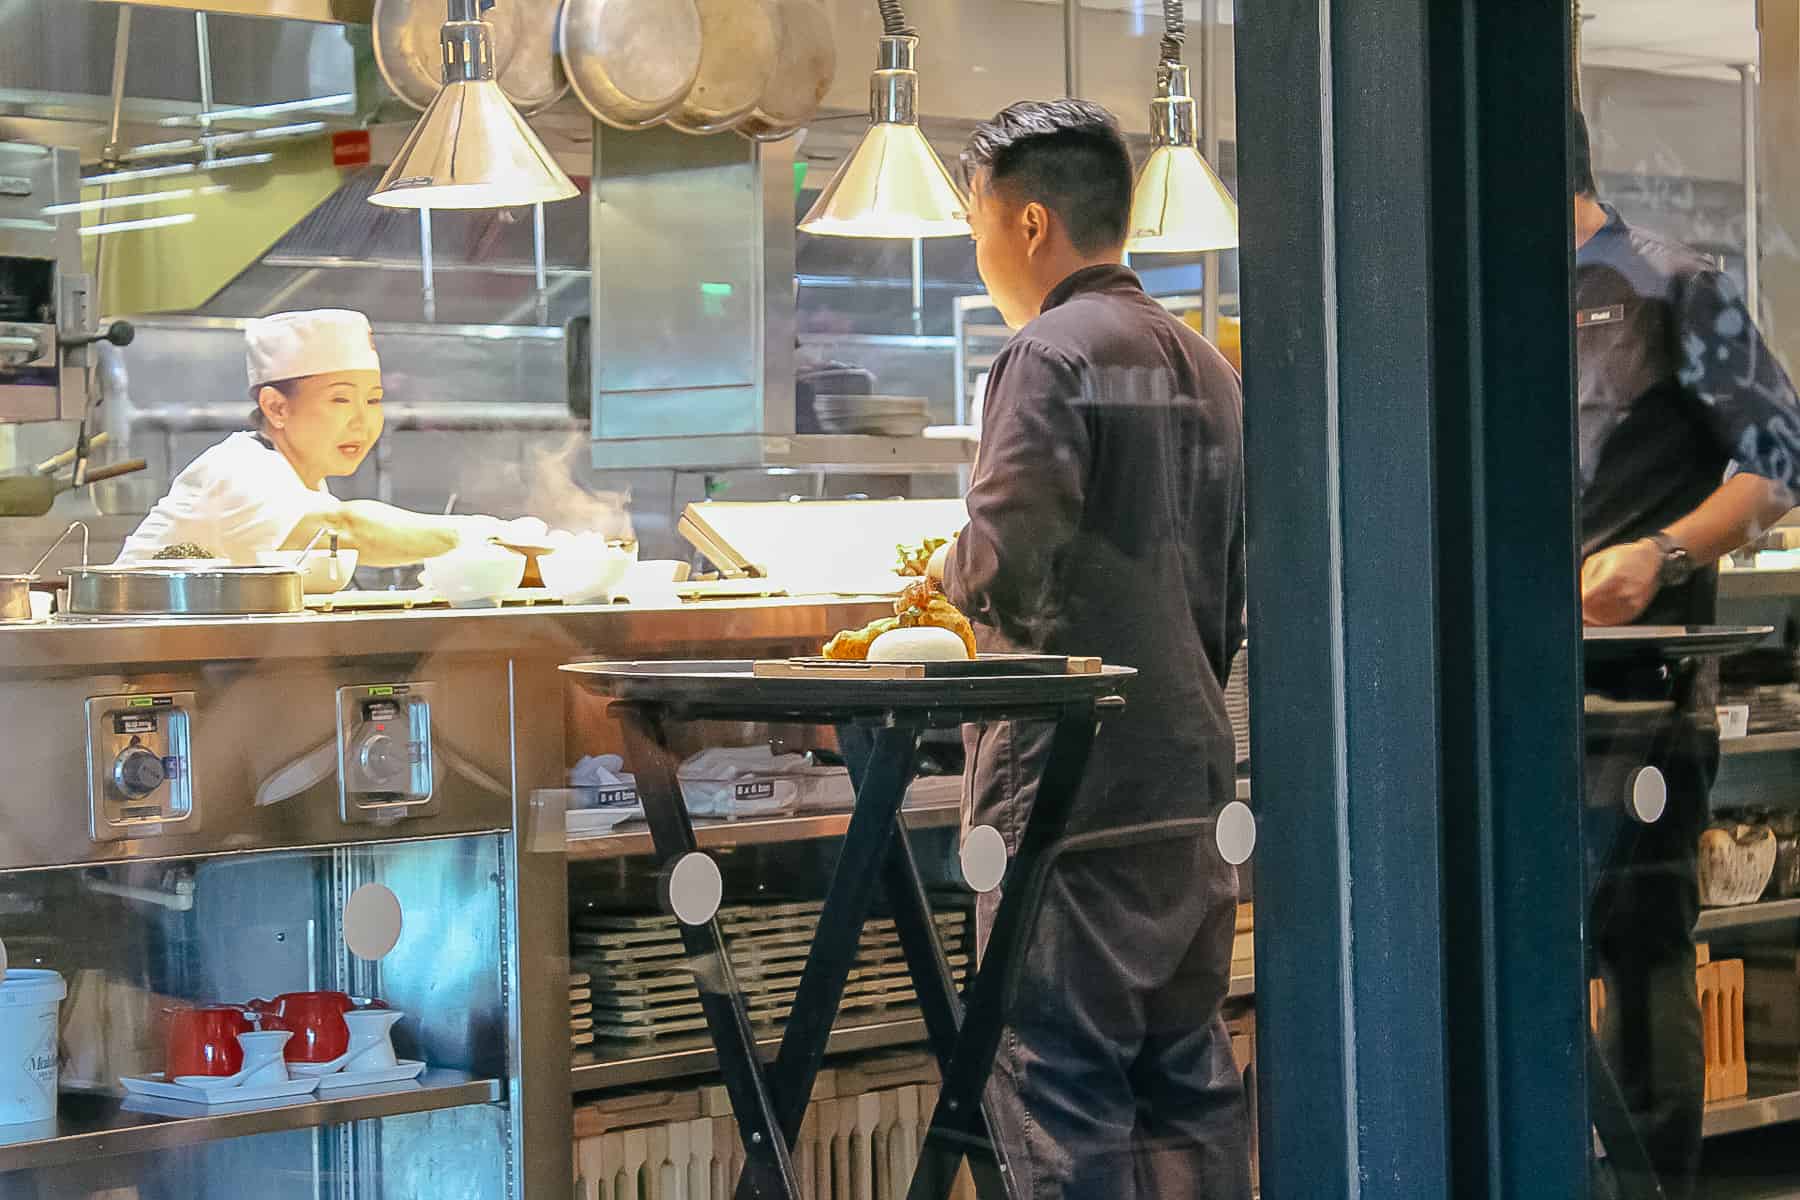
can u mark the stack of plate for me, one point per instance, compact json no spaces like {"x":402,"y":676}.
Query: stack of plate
{"x":581,"y":1009}
{"x":642,"y":988}
{"x":882,"y":416}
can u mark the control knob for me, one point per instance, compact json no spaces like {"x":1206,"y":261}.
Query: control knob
{"x":137,"y":772}
{"x":382,"y":758}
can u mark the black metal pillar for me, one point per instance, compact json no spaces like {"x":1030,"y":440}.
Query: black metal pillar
{"x":1409,"y":433}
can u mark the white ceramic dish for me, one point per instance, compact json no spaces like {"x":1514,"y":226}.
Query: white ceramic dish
{"x":474,"y":576}
{"x":400,"y":1072}
{"x":156,"y":1085}
{"x":651,"y":582}
{"x":584,"y":574}
{"x":316,"y":570}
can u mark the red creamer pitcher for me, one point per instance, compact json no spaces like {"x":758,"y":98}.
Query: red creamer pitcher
{"x":316,"y":1019}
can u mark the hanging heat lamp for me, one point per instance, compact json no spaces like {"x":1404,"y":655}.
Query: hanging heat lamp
{"x":1180,"y":205}
{"x":893,"y":185}
{"x":471,"y":149}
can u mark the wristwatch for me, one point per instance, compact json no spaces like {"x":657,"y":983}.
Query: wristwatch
{"x":1677,"y":564}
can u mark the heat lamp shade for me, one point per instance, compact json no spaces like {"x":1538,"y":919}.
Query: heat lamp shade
{"x":472,"y":149}
{"x":1180,"y":205}
{"x":892,"y":186}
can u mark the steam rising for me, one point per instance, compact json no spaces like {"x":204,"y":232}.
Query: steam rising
{"x":554,"y":494}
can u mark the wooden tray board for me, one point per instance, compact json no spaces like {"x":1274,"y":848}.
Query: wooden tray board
{"x":985,"y":666}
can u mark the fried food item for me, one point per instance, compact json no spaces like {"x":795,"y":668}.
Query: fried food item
{"x":914,"y":559}
{"x":182,"y":550}
{"x":922,"y":603}
{"x":852,"y":645}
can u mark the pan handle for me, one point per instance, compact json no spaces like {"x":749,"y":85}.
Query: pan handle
{"x":101,"y":474}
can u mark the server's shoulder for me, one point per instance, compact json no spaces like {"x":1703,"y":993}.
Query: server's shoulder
{"x":1669,"y":258}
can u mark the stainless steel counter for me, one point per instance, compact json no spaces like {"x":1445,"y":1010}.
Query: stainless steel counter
{"x":564,"y":633}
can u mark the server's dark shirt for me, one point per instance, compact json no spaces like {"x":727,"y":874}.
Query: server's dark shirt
{"x":1675,"y":386}
{"x":1106,"y":518}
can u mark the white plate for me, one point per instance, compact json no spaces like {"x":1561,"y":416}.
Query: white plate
{"x":404,"y":1070}
{"x":162,"y":1089}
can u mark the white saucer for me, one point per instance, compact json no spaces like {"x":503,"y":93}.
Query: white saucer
{"x":156,"y":1085}
{"x":400,"y":1072}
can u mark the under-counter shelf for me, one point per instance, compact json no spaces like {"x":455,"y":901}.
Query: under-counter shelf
{"x":934,"y":813}
{"x":1750,"y":1112}
{"x":684,"y":1057}
{"x":98,"y":1125}
{"x":1761,"y":743}
{"x":1743,"y":916}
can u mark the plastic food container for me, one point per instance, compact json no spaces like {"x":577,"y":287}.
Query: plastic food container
{"x":29,"y":1004}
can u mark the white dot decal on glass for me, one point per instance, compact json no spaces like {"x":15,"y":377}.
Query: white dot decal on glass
{"x":1236,"y":833}
{"x":372,"y":921}
{"x":983,"y":858}
{"x":1649,"y":795}
{"x":695,"y":889}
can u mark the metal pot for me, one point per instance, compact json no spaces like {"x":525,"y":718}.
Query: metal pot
{"x":15,"y":599}
{"x":15,"y":590}
{"x":153,"y":591}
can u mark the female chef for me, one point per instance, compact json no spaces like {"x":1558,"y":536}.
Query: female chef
{"x":316,"y":383}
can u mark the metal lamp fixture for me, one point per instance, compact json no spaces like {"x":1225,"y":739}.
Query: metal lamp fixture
{"x":893,"y":185}
{"x":1180,"y":205}
{"x":471,"y":149}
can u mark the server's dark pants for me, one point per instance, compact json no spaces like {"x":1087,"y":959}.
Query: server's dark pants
{"x":1115,"y":1077}
{"x":1642,"y":938}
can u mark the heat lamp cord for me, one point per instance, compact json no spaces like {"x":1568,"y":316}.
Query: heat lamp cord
{"x":893,"y":20}
{"x":1174,"y":31}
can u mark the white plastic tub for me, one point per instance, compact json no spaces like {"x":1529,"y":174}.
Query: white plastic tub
{"x":29,"y":1002}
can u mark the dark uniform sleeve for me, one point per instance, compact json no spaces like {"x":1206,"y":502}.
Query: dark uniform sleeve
{"x":1025,"y":497}
{"x":1744,"y":395}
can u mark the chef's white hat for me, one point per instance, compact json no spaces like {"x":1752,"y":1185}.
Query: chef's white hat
{"x":290,"y":345}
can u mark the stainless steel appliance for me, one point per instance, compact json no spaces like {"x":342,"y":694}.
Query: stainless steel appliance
{"x":45,"y":316}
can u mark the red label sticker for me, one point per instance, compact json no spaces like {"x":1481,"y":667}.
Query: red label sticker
{"x":351,"y":148}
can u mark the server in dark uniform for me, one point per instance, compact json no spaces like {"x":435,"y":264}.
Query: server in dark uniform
{"x":1689,"y":443}
{"x":1106,"y":518}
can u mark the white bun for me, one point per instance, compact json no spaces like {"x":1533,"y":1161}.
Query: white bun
{"x":927,"y":643}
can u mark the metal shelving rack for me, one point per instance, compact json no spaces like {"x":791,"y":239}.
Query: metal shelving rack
{"x":93,"y":1125}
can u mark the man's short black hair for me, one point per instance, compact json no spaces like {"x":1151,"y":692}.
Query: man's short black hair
{"x":1581,"y":157}
{"x":1069,"y":156}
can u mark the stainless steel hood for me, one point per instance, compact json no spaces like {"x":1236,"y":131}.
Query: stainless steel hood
{"x":693,"y":314}
{"x":341,"y":12}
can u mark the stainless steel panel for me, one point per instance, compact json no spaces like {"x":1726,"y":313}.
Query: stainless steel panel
{"x":386,"y":768}
{"x":140,"y":766}
{"x":156,"y":590}
{"x":679,"y":325}
{"x":251,"y":722}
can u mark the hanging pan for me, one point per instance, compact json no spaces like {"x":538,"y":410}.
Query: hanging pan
{"x":534,"y":79}
{"x":805,"y":64}
{"x":630,"y":62}
{"x":737,"y":60}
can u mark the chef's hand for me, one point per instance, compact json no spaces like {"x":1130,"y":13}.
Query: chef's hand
{"x":940,"y":560}
{"x":1618,"y":583}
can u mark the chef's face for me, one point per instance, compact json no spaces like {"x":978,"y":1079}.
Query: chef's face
{"x":1007,"y":236}
{"x":325,"y":424}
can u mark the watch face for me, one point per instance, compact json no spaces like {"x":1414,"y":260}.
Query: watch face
{"x":1677,"y":567}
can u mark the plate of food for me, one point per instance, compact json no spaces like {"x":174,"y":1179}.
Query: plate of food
{"x":927,"y":637}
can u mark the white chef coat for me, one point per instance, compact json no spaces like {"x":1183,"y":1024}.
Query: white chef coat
{"x":240,"y":497}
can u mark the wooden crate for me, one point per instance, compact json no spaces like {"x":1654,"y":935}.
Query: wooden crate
{"x":1721,"y":986}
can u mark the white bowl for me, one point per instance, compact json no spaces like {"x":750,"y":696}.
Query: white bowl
{"x":473,"y":576}
{"x":652,"y":582}
{"x":583,"y":572}
{"x":316,"y":578}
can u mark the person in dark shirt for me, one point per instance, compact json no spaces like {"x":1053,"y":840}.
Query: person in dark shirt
{"x":1106,"y":519}
{"x":1689,"y":443}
